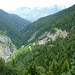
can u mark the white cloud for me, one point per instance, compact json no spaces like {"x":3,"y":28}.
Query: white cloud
{"x":14,"y":4}
{"x":27,"y":9}
{"x":34,"y":16}
{"x":37,"y":12}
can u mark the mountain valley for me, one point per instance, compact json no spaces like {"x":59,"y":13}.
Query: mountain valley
{"x":42,"y":47}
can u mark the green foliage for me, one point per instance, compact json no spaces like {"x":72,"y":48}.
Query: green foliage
{"x":1,"y":33}
{"x":54,"y":56}
{"x":53,"y":67}
{"x":41,"y":69}
{"x":32,"y":70}
{"x":49,"y":73}
{"x":10,"y":32}
{"x":2,"y":65}
{"x":72,"y":71}
{"x":65,"y":67}
{"x":61,"y":48}
{"x":13,"y":20}
{"x":9,"y":70}
{"x":25,"y":72}
{"x":11,"y":24}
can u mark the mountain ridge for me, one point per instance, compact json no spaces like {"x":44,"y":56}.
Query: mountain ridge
{"x":50,"y":23}
{"x":13,"y":20}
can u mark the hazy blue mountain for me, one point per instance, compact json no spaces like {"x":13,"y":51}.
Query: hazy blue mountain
{"x":13,"y":20}
{"x":33,"y":14}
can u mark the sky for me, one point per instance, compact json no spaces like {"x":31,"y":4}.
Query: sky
{"x":14,"y":4}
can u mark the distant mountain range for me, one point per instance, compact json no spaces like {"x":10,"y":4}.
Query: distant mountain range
{"x":33,"y":14}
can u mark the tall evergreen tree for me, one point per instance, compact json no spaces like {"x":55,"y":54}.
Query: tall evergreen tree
{"x":65,"y":67}
{"x":2,"y":65}
{"x":72,"y":71}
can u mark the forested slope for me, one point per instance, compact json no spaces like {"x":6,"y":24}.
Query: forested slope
{"x":13,"y":20}
{"x":63,"y":20}
{"x":11,"y":32}
{"x":11,"y":25}
{"x":54,"y":58}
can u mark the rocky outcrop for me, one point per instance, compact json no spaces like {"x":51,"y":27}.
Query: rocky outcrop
{"x":33,"y":36}
{"x":5,"y":39}
{"x":4,"y":51}
{"x":59,"y":33}
{"x":47,"y":36}
{"x":6,"y":47}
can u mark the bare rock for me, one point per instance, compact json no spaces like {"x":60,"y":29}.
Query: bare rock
{"x":6,"y":47}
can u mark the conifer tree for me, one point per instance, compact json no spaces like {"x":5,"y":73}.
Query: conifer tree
{"x":13,"y":62}
{"x":32,"y":70}
{"x":72,"y":71}
{"x":2,"y":64}
{"x":53,"y":67}
{"x":65,"y":67}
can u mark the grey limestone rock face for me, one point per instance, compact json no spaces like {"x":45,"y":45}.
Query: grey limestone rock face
{"x":47,"y":35}
{"x":6,"y":47}
{"x":7,"y":51}
{"x":4,"y":51}
{"x":59,"y":33}
{"x":5,"y":39}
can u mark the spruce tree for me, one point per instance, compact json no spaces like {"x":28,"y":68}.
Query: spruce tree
{"x":2,"y":65}
{"x":72,"y":71}
{"x":65,"y":67}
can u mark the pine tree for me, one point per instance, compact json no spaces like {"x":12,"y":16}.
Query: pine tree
{"x":49,"y":73}
{"x":13,"y":62}
{"x":72,"y":71}
{"x":53,"y":67}
{"x":65,"y":67}
{"x":35,"y":71}
{"x":32,"y":70}
{"x":2,"y":65}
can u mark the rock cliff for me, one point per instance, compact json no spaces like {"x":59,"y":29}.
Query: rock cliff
{"x":47,"y":36}
{"x":6,"y":47}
